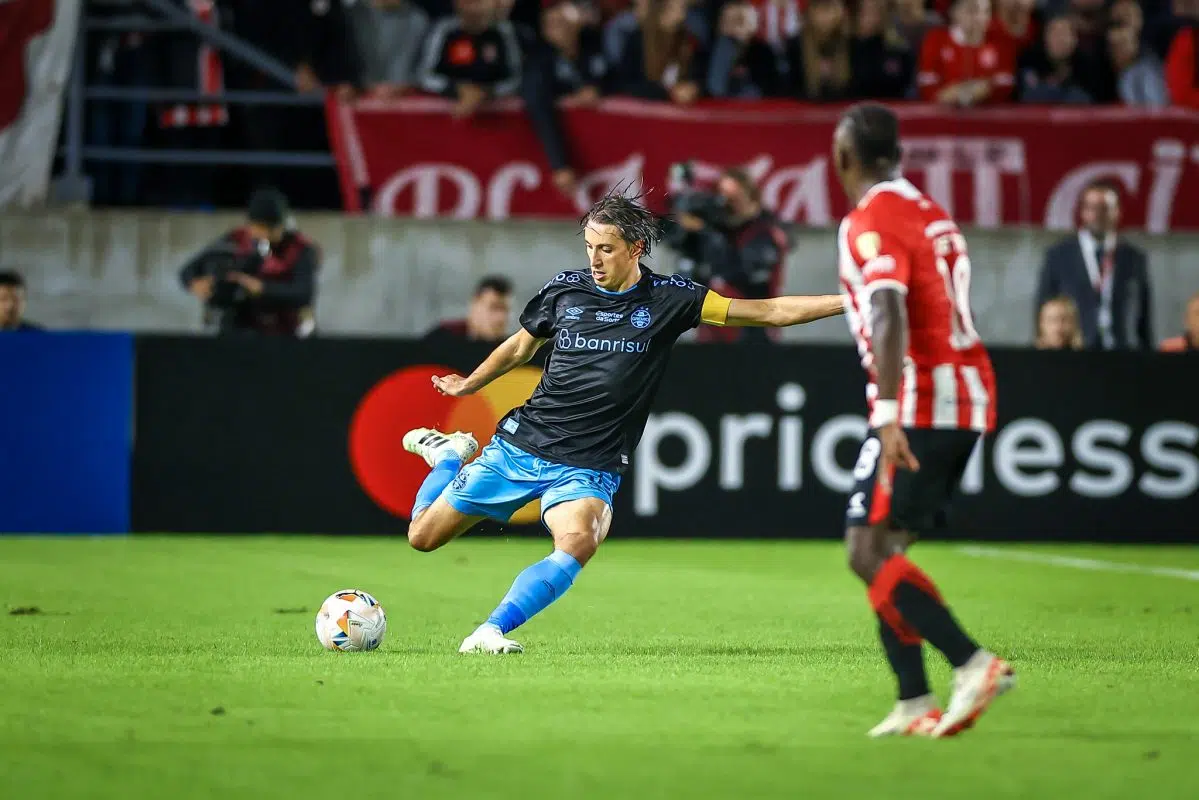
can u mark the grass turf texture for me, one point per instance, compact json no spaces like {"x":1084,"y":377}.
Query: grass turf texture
{"x":162,"y":667}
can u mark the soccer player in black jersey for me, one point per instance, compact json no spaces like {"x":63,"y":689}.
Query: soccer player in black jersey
{"x":613,"y":326}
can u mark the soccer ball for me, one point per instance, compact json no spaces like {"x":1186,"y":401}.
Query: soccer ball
{"x":351,"y":620}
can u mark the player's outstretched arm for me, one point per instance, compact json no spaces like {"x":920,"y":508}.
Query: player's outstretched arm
{"x":781,"y":312}
{"x":516,"y":350}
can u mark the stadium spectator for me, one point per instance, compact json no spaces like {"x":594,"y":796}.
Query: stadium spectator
{"x":1105,"y":276}
{"x":1140,"y":80}
{"x":315,"y":41}
{"x":1015,"y":22}
{"x":259,"y":277}
{"x":913,"y":21}
{"x":487,"y":318}
{"x":12,"y":303}
{"x":389,"y":35}
{"x":622,"y":25}
{"x":743,"y":64}
{"x":662,"y":58}
{"x":820,"y":64}
{"x":472,"y":56}
{"x":882,"y":64}
{"x":1049,"y":71}
{"x":1090,"y":23}
{"x":124,"y":61}
{"x":1188,"y":341}
{"x":962,"y":66}
{"x":1127,"y":13}
{"x":1182,"y":68}
{"x":1057,"y":325}
{"x":744,"y":252}
{"x":566,"y":66}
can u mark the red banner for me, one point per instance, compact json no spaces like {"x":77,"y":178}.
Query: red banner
{"x":1012,"y":166}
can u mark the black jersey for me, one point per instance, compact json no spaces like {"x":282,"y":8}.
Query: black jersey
{"x":610,"y":352}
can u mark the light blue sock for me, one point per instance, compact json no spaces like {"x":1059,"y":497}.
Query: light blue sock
{"x":534,"y":589}
{"x":435,"y":483}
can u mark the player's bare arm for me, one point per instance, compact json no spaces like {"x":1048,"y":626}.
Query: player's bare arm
{"x":773,"y":312}
{"x":515,"y":351}
{"x":889,"y":324}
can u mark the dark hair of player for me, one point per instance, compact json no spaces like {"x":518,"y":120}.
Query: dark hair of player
{"x":12,"y":279}
{"x":494,"y":283}
{"x":874,"y":131}
{"x":635,"y":222}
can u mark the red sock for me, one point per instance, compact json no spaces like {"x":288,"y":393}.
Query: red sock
{"x":881,"y":593}
{"x":908,"y":600}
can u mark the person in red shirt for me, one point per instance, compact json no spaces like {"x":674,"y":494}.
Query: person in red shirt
{"x":1014,"y":23}
{"x":905,"y":279}
{"x":1182,"y":68}
{"x":961,"y":65}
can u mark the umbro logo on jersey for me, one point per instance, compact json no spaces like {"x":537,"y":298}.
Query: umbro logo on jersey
{"x":608,"y":316}
{"x":573,"y":314}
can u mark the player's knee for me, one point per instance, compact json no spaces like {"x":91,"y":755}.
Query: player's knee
{"x":422,"y":536}
{"x":577,"y":542}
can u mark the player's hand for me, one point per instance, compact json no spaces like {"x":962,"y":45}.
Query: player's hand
{"x":451,"y":385}
{"x":896,"y":453}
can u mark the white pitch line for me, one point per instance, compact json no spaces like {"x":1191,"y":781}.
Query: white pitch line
{"x":1093,"y":564}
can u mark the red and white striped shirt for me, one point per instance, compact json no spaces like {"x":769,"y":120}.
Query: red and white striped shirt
{"x":897,"y":238}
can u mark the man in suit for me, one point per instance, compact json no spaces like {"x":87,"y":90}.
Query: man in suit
{"x":1107,"y":277}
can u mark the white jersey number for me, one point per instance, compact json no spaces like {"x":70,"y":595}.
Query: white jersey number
{"x":954,"y":266}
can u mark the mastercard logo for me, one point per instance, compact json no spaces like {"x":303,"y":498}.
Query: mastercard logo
{"x":405,"y":400}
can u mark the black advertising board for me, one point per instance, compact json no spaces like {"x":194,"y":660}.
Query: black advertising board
{"x":250,"y":435}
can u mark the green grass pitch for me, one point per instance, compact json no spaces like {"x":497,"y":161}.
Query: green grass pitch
{"x":185,"y":668}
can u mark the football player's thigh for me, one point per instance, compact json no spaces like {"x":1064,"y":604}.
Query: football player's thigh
{"x":440,"y":524}
{"x":918,"y":497}
{"x":578,"y":526}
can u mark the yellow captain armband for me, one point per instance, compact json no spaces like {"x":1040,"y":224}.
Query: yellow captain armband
{"x":715,"y":310}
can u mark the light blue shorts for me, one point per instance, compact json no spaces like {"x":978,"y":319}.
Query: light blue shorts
{"x":504,"y":478}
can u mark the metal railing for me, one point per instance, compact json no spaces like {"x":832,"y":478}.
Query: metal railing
{"x":73,"y":185}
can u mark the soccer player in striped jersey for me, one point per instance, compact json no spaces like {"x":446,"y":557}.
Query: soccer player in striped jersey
{"x":905,"y":280}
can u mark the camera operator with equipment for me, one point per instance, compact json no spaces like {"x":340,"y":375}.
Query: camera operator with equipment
{"x":260,"y":277}
{"x":728,"y":242}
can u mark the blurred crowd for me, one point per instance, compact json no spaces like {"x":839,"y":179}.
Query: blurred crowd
{"x":572,"y":52}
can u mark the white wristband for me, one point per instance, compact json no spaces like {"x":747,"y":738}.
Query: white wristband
{"x":884,"y":413}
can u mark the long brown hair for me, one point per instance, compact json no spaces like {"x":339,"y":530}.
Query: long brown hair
{"x":664,"y":47}
{"x":813,"y":48}
{"x":1066,"y":302}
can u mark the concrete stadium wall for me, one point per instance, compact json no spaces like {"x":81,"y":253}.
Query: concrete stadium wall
{"x":117,"y":270}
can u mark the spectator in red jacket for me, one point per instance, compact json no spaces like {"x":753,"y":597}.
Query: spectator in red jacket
{"x":1182,"y":68}
{"x":962,"y":66}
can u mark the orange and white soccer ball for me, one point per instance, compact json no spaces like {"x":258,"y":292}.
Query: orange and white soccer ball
{"x":351,"y":620}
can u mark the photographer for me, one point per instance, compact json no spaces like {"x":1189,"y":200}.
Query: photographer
{"x":729,"y":241}
{"x":258,"y":278}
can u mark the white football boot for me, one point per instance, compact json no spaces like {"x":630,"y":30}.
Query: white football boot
{"x":432,"y":445}
{"x":915,"y":717}
{"x":488,"y":639}
{"x":975,"y":684}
